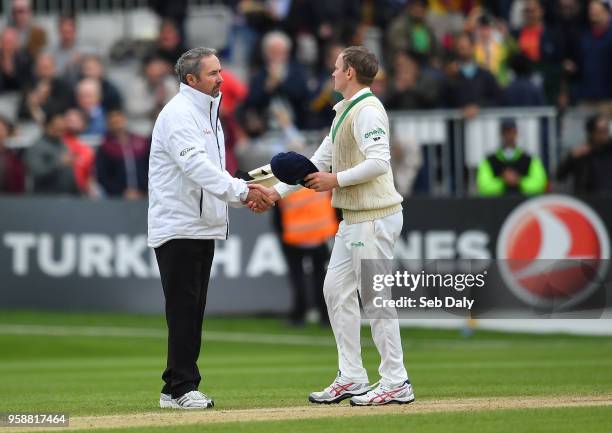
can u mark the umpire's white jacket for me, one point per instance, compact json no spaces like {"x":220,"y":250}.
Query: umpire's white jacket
{"x":188,"y":186}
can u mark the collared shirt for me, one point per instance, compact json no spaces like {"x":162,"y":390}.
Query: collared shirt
{"x":377,"y":153}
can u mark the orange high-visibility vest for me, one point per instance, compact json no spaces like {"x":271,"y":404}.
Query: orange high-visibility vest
{"x":307,"y":217}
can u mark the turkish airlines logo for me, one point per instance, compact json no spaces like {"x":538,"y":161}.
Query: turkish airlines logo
{"x":553,"y":251}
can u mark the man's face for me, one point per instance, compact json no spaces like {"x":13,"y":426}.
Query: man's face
{"x":9,"y":40}
{"x":209,"y":81}
{"x":465,"y":49}
{"x":509,"y":137}
{"x":340,"y":76}
{"x":22,"y":13}
{"x":532,"y":11}
{"x":92,"y":68}
{"x":67,"y":31}
{"x":116,"y":122}
{"x":45,"y":67}
{"x":417,"y":11}
{"x":169,"y":37}
{"x":56,"y":127}
{"x":598,"y":15}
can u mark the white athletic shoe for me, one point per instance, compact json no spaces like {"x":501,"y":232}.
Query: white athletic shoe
{"x":339,"y":390}
{"x":190,"y":400}
{"x":167,"y":402}
{"x":382,"y":394}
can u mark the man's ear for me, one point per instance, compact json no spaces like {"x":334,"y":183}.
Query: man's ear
{"x":191,"y":79}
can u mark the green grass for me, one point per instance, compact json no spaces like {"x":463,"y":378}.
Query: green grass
{"x":84,"y":375}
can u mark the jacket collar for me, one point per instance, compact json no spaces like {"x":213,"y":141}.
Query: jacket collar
{"x":198,"y":98}
{"x":345,"y":102}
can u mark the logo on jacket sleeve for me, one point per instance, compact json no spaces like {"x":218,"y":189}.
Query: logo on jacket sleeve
{"x":375,"y":132}
{"x":186,"y":151}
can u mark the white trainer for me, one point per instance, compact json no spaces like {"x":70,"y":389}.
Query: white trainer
{"x":194,"y":400}
{"x":167,"y":402}
{"x":339,"y":390}
{"x":382,"y":394}
{"x":189,"y":400}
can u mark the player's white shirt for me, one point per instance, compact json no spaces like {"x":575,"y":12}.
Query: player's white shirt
{"x":374,"y":147}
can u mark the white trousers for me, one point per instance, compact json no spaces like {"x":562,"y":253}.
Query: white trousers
{"x":367,"y":240}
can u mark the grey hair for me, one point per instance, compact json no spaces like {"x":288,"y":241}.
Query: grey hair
{"x":189,"y":62}
{"x":275,"y":35}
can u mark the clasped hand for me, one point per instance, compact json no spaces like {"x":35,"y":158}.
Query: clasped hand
{"x":260,"y":198}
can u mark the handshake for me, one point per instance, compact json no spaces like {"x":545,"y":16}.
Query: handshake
{"x":290,"y":168}
{"x":260,"y":198}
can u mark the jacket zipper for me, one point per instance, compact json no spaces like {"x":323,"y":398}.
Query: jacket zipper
{"x":201,"y":198}
{"x":220,"y":159}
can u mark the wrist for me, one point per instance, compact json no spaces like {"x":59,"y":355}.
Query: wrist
{"x":244,"y":194}
{"x":340,"y":179}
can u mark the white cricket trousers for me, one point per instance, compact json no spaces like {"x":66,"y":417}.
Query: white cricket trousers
{"x":353,"y":242}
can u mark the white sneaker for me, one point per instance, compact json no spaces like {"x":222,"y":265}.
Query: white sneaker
{"x":339,"y":390}
{"x":167,"y":402}
{"x":189,"y":400}
{"x":382,"y":394}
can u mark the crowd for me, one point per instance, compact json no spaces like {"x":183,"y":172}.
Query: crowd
{"x":462,"y":54}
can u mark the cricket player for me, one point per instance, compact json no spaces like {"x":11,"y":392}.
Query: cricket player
{"x":354,"y":163}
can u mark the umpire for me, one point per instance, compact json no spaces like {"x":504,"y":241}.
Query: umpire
{"x":189,"y":191}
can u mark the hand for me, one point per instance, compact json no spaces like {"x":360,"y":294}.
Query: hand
{"x":321,"y":181}
{"x":581,"y":150}
{"x":511,"y":177}
{"x":259,"y":198}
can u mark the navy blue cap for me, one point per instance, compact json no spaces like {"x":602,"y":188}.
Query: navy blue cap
{"x":291,"y":167}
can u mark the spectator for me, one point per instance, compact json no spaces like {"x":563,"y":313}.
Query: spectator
{"x":68,"y":53}
{"x":410,"y":32}
{"x":122,"y":161}
{"x":493,"y":47}
{"x":92,"y":68}
{"x":590,"y":164}
{"x":522,"y":92}
{"x":259,"y":143}
{"x":280,"y":80}
{"x":469,"y":86}
{"x":596,"y":64}
{"x":45,"y":93}
{"x":49,"y":162}
{"x":83,"y":155}
{"x":175,"y":11}
{"x":234,"y":94}
{"x":15,"y":63}
{"x":406,"y":162}
{"x":570,"y":23}
{"x":510,"y":170}
{"x":321,"y":112}
{"x":89,"y":100}
{"x":149,"y":92}
{"x":32,"y":38}
{"x":169,"y":45}
{"x":541,"y":45}
{"x":410,"y":89}
{"x":12,"y":171}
